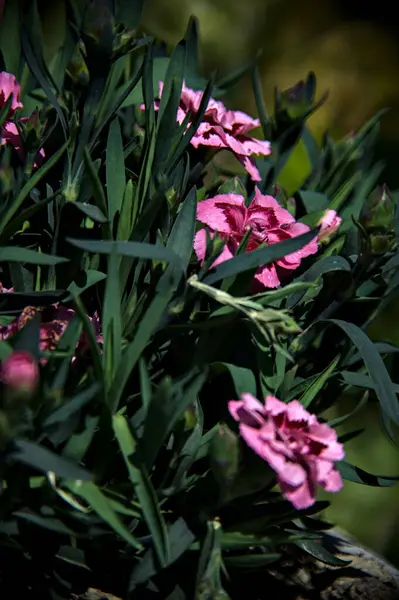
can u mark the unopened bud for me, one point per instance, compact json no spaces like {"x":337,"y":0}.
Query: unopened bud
{"x":20,"y":373}
{"x":329,"y":224}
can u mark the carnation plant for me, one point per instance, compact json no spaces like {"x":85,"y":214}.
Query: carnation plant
{"x":174,"y":335}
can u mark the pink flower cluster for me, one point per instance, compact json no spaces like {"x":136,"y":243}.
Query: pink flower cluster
{"x":221,"y":128}
{"x":9,"y":134}
{"x":54,"y":321}
{"x":301,"y":450}
{"x":269,"y":223}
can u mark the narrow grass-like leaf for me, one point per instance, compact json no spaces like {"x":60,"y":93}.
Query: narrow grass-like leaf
{"x":243,"y":379}
{"x":111,"y":318}
{"x":32,"y":182}
{"x":70,"y":407}
{"x":317,"y":385}
{"x":143,"y":488}
{"x":24,"y":255}
{"x":98,"y":191}
{"x":320,"y":553}
{"x":115,"y":170}
{"x":101,"y":505}
{"x":148,"y":324}
{"x":89,"y":278}
{"x":257,"y":258}
{"x":180,"y":539}
{"x":181,"y":237}
{"x":44,"y":460}
{"x":129,"y":249}
{"x":375,"y":366}
{"x":351,"y":473}
{"x":92,"y":211}
{"x":164,"y":411}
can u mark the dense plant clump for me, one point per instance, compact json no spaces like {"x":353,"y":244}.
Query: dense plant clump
{"x":173,"y":335}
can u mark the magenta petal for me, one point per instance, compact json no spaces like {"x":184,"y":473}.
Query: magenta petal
{"x":261,"y":201}
{"x":300,"y":497}
{"x":274,"y":406}
{"x":334,"y":482}
{"x":248,"y":162}
{"x":224,"y":213}
{"x":297,"y":413}
{"x":226,"y":254}
{"x":267,"y":276}
{"x":292,"y":474}
{"x":200,"y":244}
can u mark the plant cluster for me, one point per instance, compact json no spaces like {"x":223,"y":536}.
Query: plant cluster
{"x":173,"y":334}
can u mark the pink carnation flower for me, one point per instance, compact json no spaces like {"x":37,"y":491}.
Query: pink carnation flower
{"x":222,"y":128}
{"x":9,"y":133}
{"x":329,"y":224}
{"x":54,"y":321}
{"x":20,"y":372}
{"x":10,"y":87}
{"x":227,"y":215}
{"x":297,"y":447}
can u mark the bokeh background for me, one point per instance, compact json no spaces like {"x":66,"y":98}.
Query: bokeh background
{"x":353,"y":47}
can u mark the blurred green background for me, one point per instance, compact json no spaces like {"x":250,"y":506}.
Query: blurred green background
{"x":353,"y":47}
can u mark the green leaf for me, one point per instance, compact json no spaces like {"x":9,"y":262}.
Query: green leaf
{"x":10,"y":36}
{"x":8,"y":213}
{"x":44,"y":460}
{"x":208,"y":581}
{"x":144,"y":490}
{"x":102,"y":506}
{"x":314,"y":201}
{"x":86,"y":280}
{"x":243,"y":379}
{"x":92,"y":211}
{"x":5,"y":349}
{"x":317,"y":385}
{"x":351,"y":473}
{"x":375,"y":366}
{"x":128,"y":213}
{"x":49,"y":523}
{"x":166,"y":407}
{"x":257,"y":258}
{"x":160,"y":66}
{"x":32,"y":50}
{"x":91,"y":337}
{"x":24,"y":255}
{"x":180,"y":540}
{"x":111,"y":320}
{"x":72,"y":406}
{"x":339,"y":420}
{"x":129,"y":12}
{"x":319,"y":268}
{"x":320,"y":553}
{"x":265,"y":120}
{"x":97,"y":188}
{"x":115,"y":170}
{"x":145,"y":385}
{"x":147,"y":326}
{"x":181,"y":237}
{"x":251,"y":561}
{"x":362,"y":380}
{"x":129,"y":249}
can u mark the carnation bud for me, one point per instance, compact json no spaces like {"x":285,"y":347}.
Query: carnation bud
{"x":298,"y":99}
{"x":377,"y":219}
{"x":225,"y":454}
{"x":378,"y":210}
{"x":329,"y":224}
{"x":20,"y":374}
